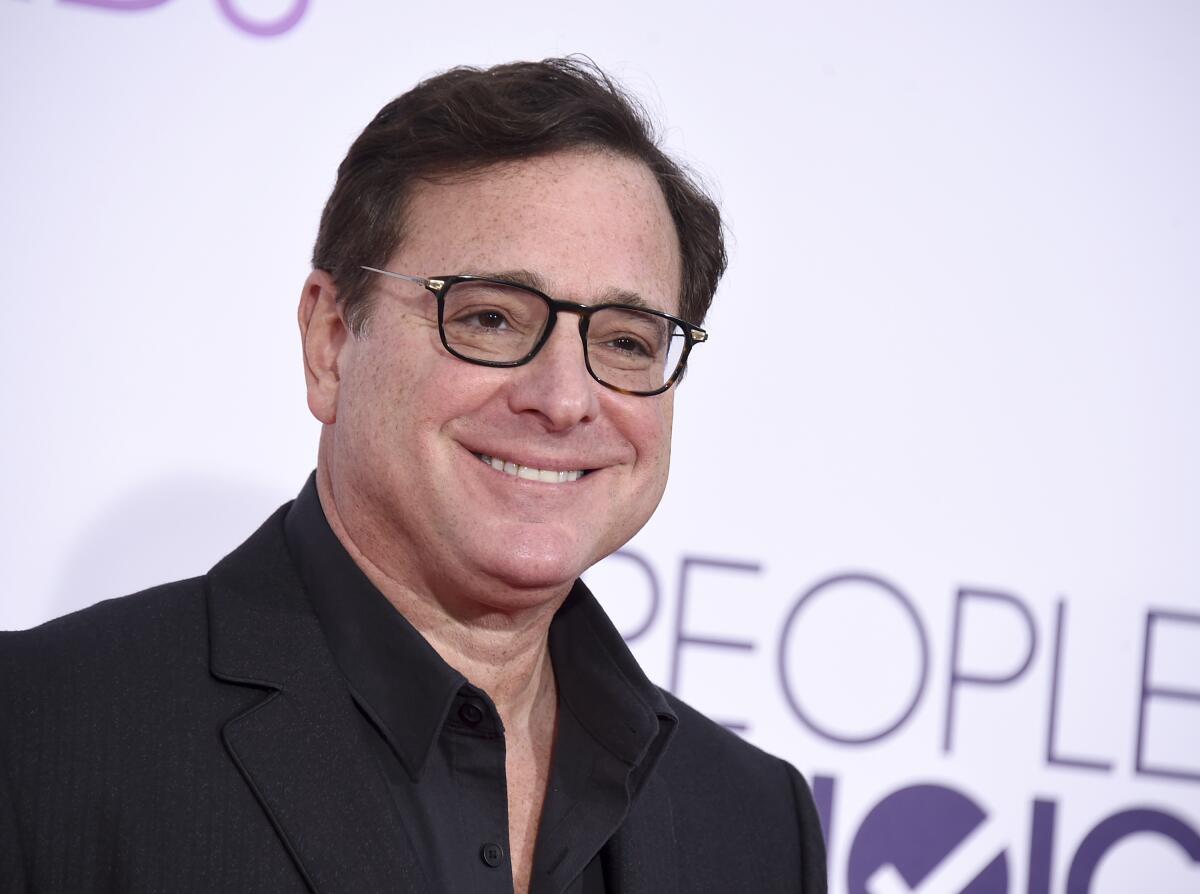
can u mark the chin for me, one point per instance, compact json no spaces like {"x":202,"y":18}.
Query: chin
{"x":535,"y":580}
{"x":536,"y":574}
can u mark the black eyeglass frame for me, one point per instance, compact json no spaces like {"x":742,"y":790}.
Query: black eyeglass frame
{"x":440,"y":285}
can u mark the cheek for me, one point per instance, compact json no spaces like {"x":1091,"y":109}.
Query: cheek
{"x":400,"y":395}
{"x":378,"y":388}
{"x":651,"y":436}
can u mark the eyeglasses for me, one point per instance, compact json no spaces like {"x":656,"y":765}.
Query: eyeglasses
{"x":492,"y":322}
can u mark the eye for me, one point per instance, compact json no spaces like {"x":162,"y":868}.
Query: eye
{"x":627,"y":335}
{"x":492,"y":309}
{"x":629,"y":344}
{"x":486,"y":318}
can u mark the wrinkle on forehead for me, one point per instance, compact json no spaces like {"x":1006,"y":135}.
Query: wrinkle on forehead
{"x":533,"y":280}
{"x":521,"y":204}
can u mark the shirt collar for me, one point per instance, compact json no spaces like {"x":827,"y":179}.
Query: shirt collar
{"x":407,"y":689}
{"x":395,"y":675}
{"x":603,"y":684}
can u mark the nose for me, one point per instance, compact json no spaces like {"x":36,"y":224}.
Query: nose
{"x":555,"y":385}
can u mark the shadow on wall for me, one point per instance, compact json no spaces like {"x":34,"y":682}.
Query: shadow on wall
{"x":164,"y":530}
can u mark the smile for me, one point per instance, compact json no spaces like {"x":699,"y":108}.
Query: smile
{"x":550,"y":476}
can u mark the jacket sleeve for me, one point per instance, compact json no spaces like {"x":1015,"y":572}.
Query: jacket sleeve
{"x":813,"y":879}
{"x":12,"y":864}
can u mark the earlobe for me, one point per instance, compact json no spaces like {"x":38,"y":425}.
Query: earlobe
{"x":323,"y":335}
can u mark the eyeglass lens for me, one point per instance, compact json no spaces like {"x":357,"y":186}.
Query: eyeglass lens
{"x":496,"y":323}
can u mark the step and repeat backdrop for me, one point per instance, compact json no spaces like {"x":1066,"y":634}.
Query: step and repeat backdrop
{"x":933,"y":530}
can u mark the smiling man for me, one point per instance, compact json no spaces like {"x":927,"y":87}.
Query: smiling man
{"x":399,"y":683}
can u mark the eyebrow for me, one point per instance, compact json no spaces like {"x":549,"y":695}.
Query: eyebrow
{"x":533,"y":280}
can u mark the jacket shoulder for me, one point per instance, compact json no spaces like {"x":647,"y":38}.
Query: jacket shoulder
{"x":107,"y":665}
{"x":114,"y":773}
{"x":748,"y":808}
{"x":698,"y":742}
{"x":124,"y":629}
{"x":148,"y":632}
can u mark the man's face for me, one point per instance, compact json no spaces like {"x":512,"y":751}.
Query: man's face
{"x":412,"y":421}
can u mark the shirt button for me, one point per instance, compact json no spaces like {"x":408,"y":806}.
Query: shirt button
{"x":470,"y":714}
{"x":491,"y":854}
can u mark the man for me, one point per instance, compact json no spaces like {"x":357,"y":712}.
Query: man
{"x":398,"y":683}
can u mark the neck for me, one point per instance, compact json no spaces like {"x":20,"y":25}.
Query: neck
{"x":505,"y":652}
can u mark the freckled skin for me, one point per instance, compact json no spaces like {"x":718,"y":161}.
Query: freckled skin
{"x":407,"y":414}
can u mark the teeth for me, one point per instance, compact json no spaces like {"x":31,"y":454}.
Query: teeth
{"x":550,"y":476}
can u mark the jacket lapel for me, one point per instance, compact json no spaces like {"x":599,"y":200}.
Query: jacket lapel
{"x":640,"y":858}
{"x":298,"y":748}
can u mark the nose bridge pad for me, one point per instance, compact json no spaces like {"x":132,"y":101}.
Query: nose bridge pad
{"x":584,"y":319}
{"x":578,"y":370}
{"x":549,"y":334}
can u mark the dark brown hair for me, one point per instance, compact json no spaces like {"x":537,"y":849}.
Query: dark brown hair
{"x":467,"y":119}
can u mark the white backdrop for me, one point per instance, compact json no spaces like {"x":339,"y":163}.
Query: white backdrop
{"x":935,"y":506}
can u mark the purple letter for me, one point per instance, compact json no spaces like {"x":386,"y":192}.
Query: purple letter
{"x":1147,"y":691}
{"x":264,"y":29}
{"x":823,"y":790}
{"x":1120,"y":825}
{"x":119,"y":5}
{"x":922,"y":639}
{"x":1052,"y":726}
{"x":681,"y":637}
{"x":956,"y":677}
{"x":1041,"y":846}
{"x":654,"y":598}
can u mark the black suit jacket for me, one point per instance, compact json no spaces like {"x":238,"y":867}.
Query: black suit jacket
{"x":198,"y":737}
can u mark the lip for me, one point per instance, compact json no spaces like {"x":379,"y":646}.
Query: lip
{"x":528,"y":455}
{"x":554,"y":472}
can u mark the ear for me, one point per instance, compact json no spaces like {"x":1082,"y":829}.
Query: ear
{"x":323,"y":335}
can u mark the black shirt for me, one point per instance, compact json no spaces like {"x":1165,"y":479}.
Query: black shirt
{"x":440,"y":742}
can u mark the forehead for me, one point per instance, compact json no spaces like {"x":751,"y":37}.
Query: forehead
{"x":586,"y":223}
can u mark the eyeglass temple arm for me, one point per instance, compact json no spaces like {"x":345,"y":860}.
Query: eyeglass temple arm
{"x":432,"y":284}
